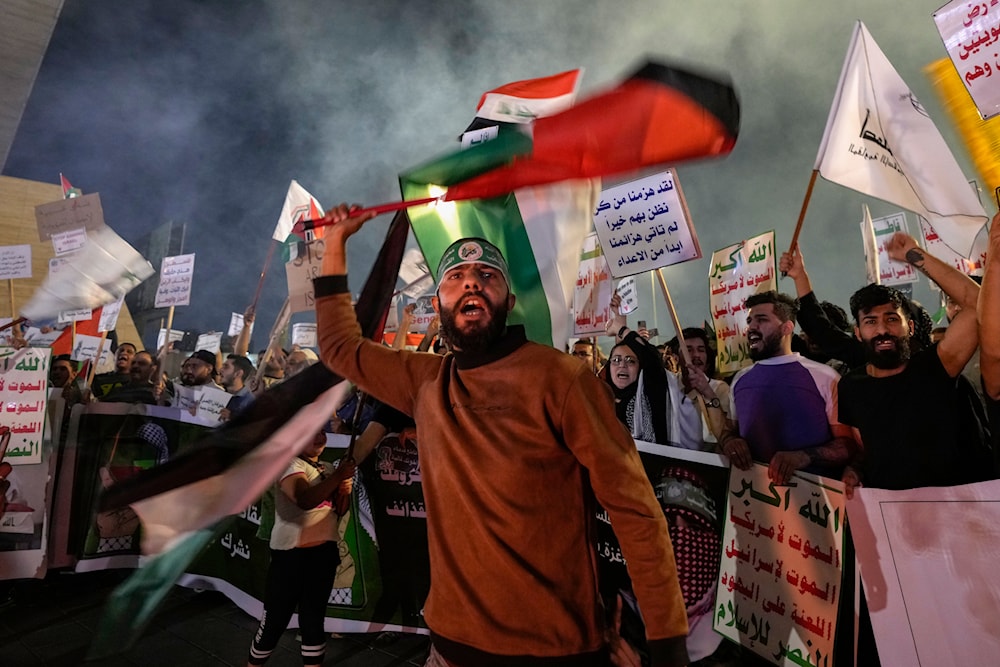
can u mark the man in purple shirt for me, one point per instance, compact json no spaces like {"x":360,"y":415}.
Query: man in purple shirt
{"x":785,"y":405}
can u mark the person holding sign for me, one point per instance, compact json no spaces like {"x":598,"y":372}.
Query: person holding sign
{"x":515,"y":439}
{"x":785,"y":405}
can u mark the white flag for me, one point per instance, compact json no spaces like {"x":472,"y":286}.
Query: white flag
{"x":299,"y":205}
{"x":871,"y":249}
{"x":879,"y":140}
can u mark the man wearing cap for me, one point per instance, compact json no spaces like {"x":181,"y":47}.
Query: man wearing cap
{"x":515,"y":439}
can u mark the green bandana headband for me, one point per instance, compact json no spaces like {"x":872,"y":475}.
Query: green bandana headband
{"x":472,"y":251}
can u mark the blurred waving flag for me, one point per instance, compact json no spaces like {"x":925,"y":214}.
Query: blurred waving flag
{"x":533,"y":192}
{"x":103,"y":271}
{"x":185,"y":501}
{"x":879,"y":140}
{"x":524,"y":101}
{"x":299,"y":205}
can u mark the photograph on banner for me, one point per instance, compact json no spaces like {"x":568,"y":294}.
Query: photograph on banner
{"x":65,"y":243}
{"x":236,"y":563}
{"x":115,"y":441}
{"x":592,"y":294}
{"x":304,"y":334}
{"x":66,"y":215}
{"x":15,"y":262}
{"x":645,"y":225}
{"x":890,"y":272}
{"x":970,"y":32}
{"x":109,"y":315}
{"x":735,"y":273}
{"x":423,"y":313}
{"x":691,"y":487}
{"x":161,"y":337}
{"x":973,"y":265}
{"x":300,"y":273}
{"x":782,"y":563}
{"x":927,"y":559}
{"x":211,"y":341}
{"x":85,"y":349}
{"x":176,"y":278}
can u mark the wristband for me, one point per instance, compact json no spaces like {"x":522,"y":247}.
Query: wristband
{"x":621,"y":332}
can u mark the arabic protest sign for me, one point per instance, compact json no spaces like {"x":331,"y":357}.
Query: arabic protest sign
{"x":300,"y":273}
{"x":236,"y":325}
{"x":423,"y":313}
{"x":304,"y":334}
{"x":85,"y":349}
{"x":592,"y":295}
{"x":927,"y":559}
{"x":890,"y":272}
{"x":15,"y":262}
{"x":109,"y":315}
{"x":203,"y":403}
{"x":68,"y":242}
{"x":973,"y":265}
{"x":176,"y":277}
{"x":644,"y":225}
{"x":629,"y":294}
{"x":415,"y":275}
{"x":67,"y":215}
{"x":211,"y":341}
{"x":736,"y":272}
{"x":971,"y":32}
{"x":24,"y":382}
{"x":780,"y":583}
{"x":161,"y":337}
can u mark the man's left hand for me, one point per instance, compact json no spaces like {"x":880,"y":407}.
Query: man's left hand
{"x":783,"y":464}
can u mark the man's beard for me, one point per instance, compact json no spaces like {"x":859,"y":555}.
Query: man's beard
{"x":477,"y":337}
{"x":887,"y":359}
{"x":770,"y":347}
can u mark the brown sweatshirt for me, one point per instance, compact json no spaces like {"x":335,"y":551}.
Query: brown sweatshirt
{"x":511,"y":444}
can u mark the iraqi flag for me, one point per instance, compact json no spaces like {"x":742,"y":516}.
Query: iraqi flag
{"x":879,"y":140}
{"x":524,"y":101}
{"x":533,"y":193}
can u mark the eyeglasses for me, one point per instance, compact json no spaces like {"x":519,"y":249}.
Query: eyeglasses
{"x":619,"y":360}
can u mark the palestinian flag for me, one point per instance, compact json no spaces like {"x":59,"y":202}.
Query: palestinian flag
{"x":69,"y":192}
{"x":540,"y":230}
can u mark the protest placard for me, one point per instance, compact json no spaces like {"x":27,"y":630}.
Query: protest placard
{"x":644,"y":225}
{"x":109,"y":315}
{"x":592,"y":294}
{"x":300,"y":273}
{"x":780,"y":583}
{"x":176,"y":278}
{"x":973,"y":265}
{"x":85,"y":349}
{"x":65,"y":243}
{"x":24,"y":377}
{"x":15,"y":262}
{"x":304,"y":334}
{"x":423,"y":313}
{"x":66,"y":215}
{"x":211,"y":341}
{"x":161,"y":337}
{"x":970,"y":31}
{"x":735,"y":273}
{"x":891,"y":272}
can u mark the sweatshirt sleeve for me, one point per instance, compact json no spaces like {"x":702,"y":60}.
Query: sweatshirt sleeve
{"x":392,"y":376}
{"x":603,"y":446}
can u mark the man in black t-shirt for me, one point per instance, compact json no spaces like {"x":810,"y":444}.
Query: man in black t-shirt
{"x":919,"y":421}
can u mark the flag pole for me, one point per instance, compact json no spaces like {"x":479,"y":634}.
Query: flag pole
{"x":802,"y":213}
{"x":13,"y":306}
{"x":162,"y":355}
{"x":93,"y":366}
{"x":263,"y":272}
{"x":673,"y":317}
{"x":306,"y":225}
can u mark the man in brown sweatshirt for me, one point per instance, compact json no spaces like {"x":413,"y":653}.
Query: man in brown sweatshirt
{"x":515,"y":439}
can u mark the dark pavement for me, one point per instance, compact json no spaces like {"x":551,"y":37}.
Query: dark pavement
{"x":51,"y":621}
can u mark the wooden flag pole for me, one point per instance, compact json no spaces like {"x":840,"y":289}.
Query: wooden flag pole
{"x":97,"y":359}
{"x":673,"y":317}
{"x":162,"y":354}
{"x":263,"y":272}
{"x":802,"y":213}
